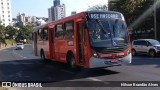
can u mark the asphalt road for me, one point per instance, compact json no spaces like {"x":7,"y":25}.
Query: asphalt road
{"x":22,"y":65}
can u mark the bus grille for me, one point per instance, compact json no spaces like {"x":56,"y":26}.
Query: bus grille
{"x":114,"y":50}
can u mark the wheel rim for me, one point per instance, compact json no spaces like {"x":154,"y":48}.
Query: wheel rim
{"x":152,"y":53}
{"x":72,"y":63}
{"x":42,"y":57}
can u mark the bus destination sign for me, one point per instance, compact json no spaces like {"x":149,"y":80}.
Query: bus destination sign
{"x":104,"y":16}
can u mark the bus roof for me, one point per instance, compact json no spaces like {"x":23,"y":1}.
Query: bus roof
{"x":69,"y":18}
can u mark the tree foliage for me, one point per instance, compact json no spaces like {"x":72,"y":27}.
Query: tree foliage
{"x":10,"y":32}
{"x":98,"y":8}
{"x":132,"y":9}
{"x":15,"y":33}
{"x":2,"y":34}
{"x":24,"y":33}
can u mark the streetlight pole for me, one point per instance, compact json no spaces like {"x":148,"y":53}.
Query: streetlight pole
{"x":155,"y":22}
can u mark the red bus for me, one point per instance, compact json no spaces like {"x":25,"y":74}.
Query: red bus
{"x":88,"y":39}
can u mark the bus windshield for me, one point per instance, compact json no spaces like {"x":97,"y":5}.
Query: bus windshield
{"x":107,"y":32}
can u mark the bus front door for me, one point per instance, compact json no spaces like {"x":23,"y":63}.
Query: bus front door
{"x":81,"y":42}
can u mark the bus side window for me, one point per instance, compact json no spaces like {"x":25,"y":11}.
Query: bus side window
{"x":69,"y":28}
{"x":45,"y":34}
{"x":40,"y":37}
{"x":59,"y":32}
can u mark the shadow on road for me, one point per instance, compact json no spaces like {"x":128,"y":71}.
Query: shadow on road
{"x":146,"y":60}
{"x":36,"y":70}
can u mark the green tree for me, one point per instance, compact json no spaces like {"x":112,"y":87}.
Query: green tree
{"x":98,"y":8}
{"x":2,"y":35}
{"x":131,"y":9}
{"x":24,"y":33}
{"x":10,"y":32}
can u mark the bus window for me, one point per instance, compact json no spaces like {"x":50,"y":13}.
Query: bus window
{"x":59,"y":32}
{"x":69,"y":27}
{"x":40,"y":37}
{"x":45,"y":34}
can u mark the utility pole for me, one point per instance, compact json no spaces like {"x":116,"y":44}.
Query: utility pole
{"x":155,"y":22}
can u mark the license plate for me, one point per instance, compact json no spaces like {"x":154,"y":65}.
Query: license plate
{"x":114,"y":61}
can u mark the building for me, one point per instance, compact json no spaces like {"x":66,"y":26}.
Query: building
{"x":34,"y":19}
{"x":56,"y":2}
{"x":51,"y":15}
{"x":21,"y":17}
{"x":57,"y":11}
{"x":5,"y":12}
{"x":28,"y":19}
{"x":73,"y":12}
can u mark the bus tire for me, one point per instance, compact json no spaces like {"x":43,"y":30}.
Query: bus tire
{"x":43,"y":58}
{"x":72,"y":63}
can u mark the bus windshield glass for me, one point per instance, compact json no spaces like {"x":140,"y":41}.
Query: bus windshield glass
{"x":107,"y":32}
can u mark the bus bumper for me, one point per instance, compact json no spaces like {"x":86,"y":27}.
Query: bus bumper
{"x":103,"y":63}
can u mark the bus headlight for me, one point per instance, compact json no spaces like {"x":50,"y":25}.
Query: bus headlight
{"x":95,"y":54}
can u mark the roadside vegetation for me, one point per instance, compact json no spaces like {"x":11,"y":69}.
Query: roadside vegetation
{"x":10,"y":35}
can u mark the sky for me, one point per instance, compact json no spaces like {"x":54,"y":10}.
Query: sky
{"x":39,"y":8}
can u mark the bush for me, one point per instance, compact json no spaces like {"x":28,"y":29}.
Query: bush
{"x":9,"y":41}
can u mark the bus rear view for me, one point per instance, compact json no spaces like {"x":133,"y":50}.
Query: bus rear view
{"x":109,"y":39}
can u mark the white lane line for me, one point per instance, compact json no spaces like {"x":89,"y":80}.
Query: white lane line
{"x":94,"y":79}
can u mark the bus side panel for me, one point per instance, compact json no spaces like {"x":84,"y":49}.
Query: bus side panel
{"x":60,"y":50}
{"x":46,"y":49}
{"x":34,"y":43}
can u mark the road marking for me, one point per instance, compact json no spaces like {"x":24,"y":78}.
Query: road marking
{"x":94,"y":79}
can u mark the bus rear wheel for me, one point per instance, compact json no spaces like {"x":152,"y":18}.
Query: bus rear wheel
{"x":43,"y":56}
{"x":72,"y":63}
